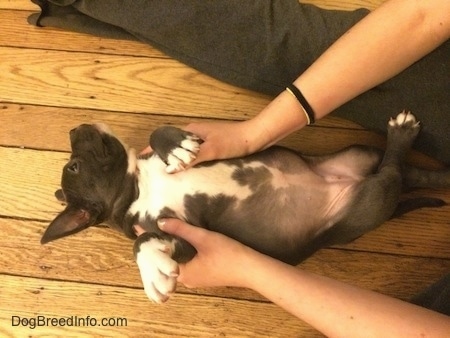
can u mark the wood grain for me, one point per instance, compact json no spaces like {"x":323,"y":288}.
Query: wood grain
{"x":328,"y":135}
{"x":183,"y":316}
{"x":51,"y":130}
{"x":101,"y":256}
{"x":51,"y":81}
{"x":345,"y":4}
{"x":14,"y":21}
{"x":118,"y":83}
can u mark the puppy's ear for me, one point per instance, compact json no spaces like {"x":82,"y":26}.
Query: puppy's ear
{"x":68,"y":222}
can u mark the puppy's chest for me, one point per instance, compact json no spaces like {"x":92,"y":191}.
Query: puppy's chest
{"x":159,"y":191}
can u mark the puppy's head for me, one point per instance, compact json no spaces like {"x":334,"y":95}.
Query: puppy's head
{"x":91,"y":180}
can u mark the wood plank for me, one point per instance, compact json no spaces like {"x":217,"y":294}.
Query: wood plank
{"x":345,"y":4}
{"x":331,"y":4}
{"x":424,"y":233}
{"x":28,"y":182}
{"x":16,"y":32}
{"x":98,"y":256}
{"x":183,"y":316}
{"x":397,"y":276}
{"x":136,"y":128}
{"x":119,"y":83}
{"x":18,"y":4}
{"x":102,"y":256}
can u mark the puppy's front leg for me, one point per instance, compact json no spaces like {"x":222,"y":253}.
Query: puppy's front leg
{"x":158,"y":270}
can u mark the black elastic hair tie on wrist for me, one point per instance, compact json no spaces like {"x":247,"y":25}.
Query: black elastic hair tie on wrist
{"x":309,"y":112}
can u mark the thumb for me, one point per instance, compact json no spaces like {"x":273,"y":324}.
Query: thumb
{"x":173,"y":226}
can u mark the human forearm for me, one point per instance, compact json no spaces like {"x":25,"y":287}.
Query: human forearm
{"x":380,"y":46}
{"x":334,"y":308}
{"x":340,"y":310}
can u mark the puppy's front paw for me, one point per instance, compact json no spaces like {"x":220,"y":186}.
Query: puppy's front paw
{"x":183,"y":154}
{"x":158,"y":270}
{"x":176,"y":147}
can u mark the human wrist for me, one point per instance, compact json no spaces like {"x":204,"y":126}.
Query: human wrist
{"x":279,"y":118}
{"x":244,"y":265}
{"x":257,"y":136}
{"x":252,"y":268}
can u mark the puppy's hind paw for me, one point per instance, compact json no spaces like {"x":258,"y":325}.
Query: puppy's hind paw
{"x":404,"y":119}
{"x":403,"y":127}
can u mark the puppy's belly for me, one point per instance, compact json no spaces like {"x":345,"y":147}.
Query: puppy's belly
{"x":275,"y":219}
{"x":242,"y":200}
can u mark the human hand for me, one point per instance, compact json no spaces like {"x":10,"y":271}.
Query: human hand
{"x":146,"y":151}
{"x":223,"y":140}
{"x":220,"y":261}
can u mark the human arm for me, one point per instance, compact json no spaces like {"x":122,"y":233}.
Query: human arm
{"x":384,"y":43}
{"x":332,"y":307}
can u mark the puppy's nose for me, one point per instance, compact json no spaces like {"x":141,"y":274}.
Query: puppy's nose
{"x":81,"y":127}
{"x":83,"y":131}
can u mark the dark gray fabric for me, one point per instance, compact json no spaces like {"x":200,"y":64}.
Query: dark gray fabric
{"x":436,"y":297}
{"x":263,"y":45}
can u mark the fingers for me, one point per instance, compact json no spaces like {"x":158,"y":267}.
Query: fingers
{"x":138,"y":230}
{"x":146,"y":151}
{"x":206,"y":153}
{"x":208,"y":147}
{"x":174,"y":226}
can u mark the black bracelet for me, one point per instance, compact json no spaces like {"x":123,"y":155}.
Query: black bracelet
{"x":309,"y":112}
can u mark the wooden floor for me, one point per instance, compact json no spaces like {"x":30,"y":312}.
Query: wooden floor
{"x":51,"y":81}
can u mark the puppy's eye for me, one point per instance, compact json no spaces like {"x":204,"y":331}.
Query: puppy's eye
{"x":74,"y":167}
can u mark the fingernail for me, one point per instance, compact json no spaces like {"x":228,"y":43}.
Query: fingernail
{"x":161,"y":223}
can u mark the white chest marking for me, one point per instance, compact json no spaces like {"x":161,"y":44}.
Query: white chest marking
{"x":159,"y":190}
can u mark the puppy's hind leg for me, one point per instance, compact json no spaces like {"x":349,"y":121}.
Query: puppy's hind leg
{"x":377,"y":196}
{"x":402,"y":131}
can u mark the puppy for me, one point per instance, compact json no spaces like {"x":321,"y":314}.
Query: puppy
{"x":276,"y":201}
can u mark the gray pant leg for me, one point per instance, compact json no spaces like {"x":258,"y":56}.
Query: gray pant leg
{"x":263,"y":45}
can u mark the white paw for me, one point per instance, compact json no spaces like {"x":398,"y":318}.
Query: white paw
{"x":181,"y":156}
{"x":405,"y":118}
{"x":158,"y":270}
